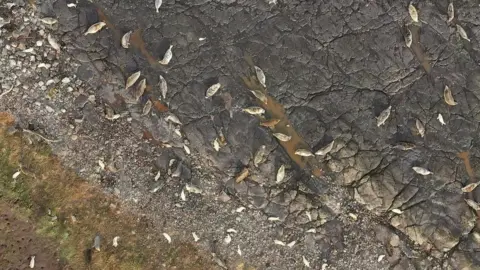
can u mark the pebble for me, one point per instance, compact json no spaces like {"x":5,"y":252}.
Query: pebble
{"x":224,"y":197}
{"x":395,"y":241}
{"x":43,"y":65}
{"x":40,"y":83}
{"x":29,"y":50}
{"x":74,"y":137}
{"x":49,"y":82}
{"x":49,"y":109}
{"x":80,"y":101}
{"x":66,"y":80}
{"x":39,"y":43}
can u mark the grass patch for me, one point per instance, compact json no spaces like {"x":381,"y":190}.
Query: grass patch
{"x":11,"y":190}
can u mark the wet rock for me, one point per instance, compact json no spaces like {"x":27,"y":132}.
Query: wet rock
{"x":257,"y":195}
{"x":161,"y":163}
{"x":81,"y":100}
{"x":276,"y":210}
{"x":241,"y":188}
{"x":443,"y":233}
{"x":185,"y":172}
{"x":299,"y":203}
{"x":256,"y":190}
{"x":84,"y":72}
{"x":258,"y":202}
{"x":284,"y":198}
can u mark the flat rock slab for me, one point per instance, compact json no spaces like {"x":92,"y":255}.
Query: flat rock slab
{"x":334,"y":66}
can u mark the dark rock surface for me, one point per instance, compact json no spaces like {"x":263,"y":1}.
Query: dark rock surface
{"x":334,"y":66}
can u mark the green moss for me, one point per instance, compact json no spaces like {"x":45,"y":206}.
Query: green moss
{"x":47,"y":227}
{"x":6,"y":171}
{"x":12,"y":190}
{"x":131,"y":264}
{"x":43,"y":149}
{"x":67,"y":253}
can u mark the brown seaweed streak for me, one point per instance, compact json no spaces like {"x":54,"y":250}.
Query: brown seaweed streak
{"x":136,"y":40}
{"x":417,"y":49}
{"x":276,"y":111}
{"x":465,"y":157}
{"x":466,"y":160}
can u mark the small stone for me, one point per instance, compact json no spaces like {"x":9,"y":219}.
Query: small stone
{"x":353,"y":216}
{"x":80,"y":101}
{"x":395,"y":241}
{"x":74,"y":137}
{"x":40,"y":83}
{"x":49,"y":82}
{"x":66,"y":80}
{"x":49,"y":109}
{"x":224,"y":197}
{"x":39,"y":43}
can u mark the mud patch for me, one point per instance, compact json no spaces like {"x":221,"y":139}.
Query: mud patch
{"x":19,"y":242}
